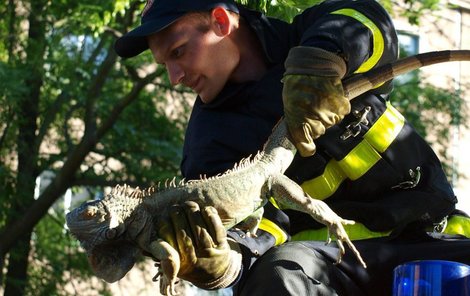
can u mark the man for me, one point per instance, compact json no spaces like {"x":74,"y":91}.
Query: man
{"x":362,"y":157}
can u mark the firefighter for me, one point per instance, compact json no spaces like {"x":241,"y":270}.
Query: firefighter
{"x":361,"y":157}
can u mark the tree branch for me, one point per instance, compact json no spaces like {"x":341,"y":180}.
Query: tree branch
{"x":95,"y":90}
{"x":121,"y":105}
{"x":65,"y":177}
{"x":49,"y":117}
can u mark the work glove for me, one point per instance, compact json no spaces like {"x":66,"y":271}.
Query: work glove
{"x":208,"y":259}
{"x":313,"y":95}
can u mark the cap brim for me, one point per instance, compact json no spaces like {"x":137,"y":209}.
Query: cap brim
{"x":135,"y":42}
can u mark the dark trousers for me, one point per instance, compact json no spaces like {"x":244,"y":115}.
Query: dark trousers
{"x":307,"y":268}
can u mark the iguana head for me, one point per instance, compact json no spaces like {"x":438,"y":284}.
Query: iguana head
{"x":102,"y":227}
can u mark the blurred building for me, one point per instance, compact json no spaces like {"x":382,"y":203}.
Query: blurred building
{"x":446,"y":28}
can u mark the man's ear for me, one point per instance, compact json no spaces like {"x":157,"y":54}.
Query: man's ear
{"x":222,"y":21}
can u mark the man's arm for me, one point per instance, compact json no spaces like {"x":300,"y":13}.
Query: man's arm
{"x":338,"y":38}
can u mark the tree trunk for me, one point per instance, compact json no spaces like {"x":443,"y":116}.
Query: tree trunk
{"x":17,"y":268}
{"x":16,"y":278}
{"x":2,"y":264}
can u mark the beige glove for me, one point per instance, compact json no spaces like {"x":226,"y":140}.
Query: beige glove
{"x":208,"y":258}
{"x":313,"y":95}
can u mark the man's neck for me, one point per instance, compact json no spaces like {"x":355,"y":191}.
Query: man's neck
{"x":252,"y":64}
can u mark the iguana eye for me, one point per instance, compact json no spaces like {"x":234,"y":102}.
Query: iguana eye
{"x":111,"y":233}
{"x":90,"y":212}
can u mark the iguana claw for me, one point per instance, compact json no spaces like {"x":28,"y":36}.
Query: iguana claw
{"x":168,"y":266}
{"x":337,"y":229}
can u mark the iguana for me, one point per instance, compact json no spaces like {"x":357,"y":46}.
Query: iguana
{"x":116,"y":229}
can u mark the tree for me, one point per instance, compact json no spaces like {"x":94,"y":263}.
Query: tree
{"x":71,"y":107}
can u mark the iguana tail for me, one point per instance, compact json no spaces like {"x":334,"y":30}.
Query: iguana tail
{"x":361,"y":83}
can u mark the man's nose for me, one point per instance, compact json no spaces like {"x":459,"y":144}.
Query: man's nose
{"x":175,"y":73}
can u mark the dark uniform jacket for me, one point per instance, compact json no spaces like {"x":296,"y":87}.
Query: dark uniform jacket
{"x":372,"y":167}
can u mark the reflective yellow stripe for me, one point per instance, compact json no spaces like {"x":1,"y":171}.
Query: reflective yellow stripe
{"x":387,"y":126}
{"x":274,"y":203}
{"x":326,"y":184}
{"x":458,"y":225}
{"x":355,"y":232}
{"x":455,"y":225}
{"x":355,"y":164}
{"x":273,"y":229}
{"x":378,"y":40}
{"x":359,"y":160}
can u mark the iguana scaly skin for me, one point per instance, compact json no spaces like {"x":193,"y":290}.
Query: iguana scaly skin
{"x":115,"y":230}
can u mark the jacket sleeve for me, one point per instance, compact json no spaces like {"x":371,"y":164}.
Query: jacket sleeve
{"x":361,"y":32}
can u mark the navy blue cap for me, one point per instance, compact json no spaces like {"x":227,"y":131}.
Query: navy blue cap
{"x":159,"y":14}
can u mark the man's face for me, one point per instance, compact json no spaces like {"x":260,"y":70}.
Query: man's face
{"x":202,"y":60}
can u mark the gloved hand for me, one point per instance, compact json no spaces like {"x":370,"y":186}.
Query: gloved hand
{"x":208,"y":258}
{"x":313,"y":95}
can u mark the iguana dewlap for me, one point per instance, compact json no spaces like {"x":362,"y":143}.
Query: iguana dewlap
{"x":115,"y":230}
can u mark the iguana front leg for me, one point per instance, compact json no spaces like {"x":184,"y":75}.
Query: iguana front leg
{"x":291,"y":195}
{"x":251,"y":224}
{"x":169,"y":265}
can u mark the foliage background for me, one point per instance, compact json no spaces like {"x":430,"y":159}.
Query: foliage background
{"x":72,"y":110}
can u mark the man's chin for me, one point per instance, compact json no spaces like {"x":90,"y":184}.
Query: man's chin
{"x":206,"y":98}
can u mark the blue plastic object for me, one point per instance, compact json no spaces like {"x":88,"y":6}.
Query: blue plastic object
{"x":431,"y":278}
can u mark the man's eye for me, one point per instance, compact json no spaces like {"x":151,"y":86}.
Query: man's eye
{"x":177,"y":52}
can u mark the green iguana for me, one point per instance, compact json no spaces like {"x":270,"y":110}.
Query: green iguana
{"x":116,"y":229}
